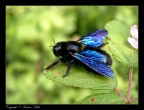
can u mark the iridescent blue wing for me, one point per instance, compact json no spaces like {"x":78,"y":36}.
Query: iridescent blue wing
{"x":93,"y":55}
{"x":94,"y":39}
{"x":95,"y":61}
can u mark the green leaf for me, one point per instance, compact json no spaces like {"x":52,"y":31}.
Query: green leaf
{"x":134,"y":102}
{"x":79,"y":77}
{"x":118,"y":43}
{"x":103,"y":98}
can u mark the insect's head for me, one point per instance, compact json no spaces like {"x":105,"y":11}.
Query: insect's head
{"x":57,"y":49}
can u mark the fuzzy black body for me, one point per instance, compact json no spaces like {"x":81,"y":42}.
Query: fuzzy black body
{"x":65,"y":48}
{"x":92,"y":57}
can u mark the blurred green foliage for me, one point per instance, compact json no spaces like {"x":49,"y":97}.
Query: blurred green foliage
{"x":29,"y":32}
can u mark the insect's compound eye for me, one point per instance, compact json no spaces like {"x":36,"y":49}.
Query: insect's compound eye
{"x":57,"y":49}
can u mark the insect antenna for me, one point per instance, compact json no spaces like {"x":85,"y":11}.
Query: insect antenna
{"x":53,"y":41}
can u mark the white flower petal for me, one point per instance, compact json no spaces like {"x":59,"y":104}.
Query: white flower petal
{"x":134,"y":31}
{"x":133,"y":42}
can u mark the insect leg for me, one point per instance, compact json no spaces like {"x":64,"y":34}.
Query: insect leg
{"x":69,"y":68}
{"x":53,"y":64}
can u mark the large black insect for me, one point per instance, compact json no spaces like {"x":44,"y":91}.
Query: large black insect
{"x":87,"y":51}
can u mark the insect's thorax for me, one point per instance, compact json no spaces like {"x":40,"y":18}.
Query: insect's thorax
{"x":70,"y":47}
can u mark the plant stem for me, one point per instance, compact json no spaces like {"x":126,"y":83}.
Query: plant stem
{"x":129,"y":85}
{"x":120,"y":94}
{"x":38,"y":91}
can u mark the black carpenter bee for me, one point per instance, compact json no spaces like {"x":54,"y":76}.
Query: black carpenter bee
{"x":90,"y":54}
